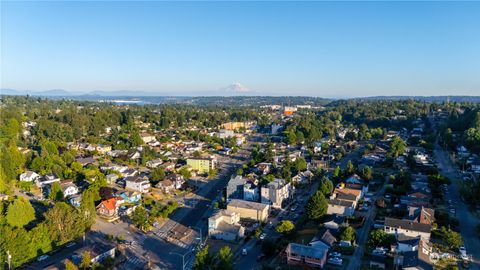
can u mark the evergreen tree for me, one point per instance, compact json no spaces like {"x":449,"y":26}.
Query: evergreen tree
{"x":326,"y":186}
{"x":317,"y":206}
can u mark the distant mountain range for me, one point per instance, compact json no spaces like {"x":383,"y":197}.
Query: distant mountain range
{"x":233,"y":90}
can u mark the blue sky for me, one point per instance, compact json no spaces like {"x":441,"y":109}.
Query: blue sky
{"x":328,"y":49}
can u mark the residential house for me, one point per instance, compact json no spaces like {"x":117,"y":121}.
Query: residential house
{"x":129,"y":173}
{"x":303,"y":177}
{"x":299,"y":254}
{"x":249,"y":210}
{"x":111,"y":178}
{"x":134,"y":154}
{"x":235,"y":186}
{"x":68,"y":188}
{"x":344,"y":200}
{"x":408,"y":228}
{"x":98,"y":252}
{"x":417,"y":259}
{"x":29,"y":176}
{"x":131,"y":197}
{"x":108,"y":208}
{"x":152,"y":164}
{"x":75,"y":200}
{"x":420,"y":214}
{"x":168,"y":166}
{"x":147,"y":138}
{"x":276,"y":193}
{"x":177,"y":180}
{"x":103,"y":149}
{"x":341,"y":207}
{"x":47,"y":179}
{"x":201,"y":165}
{"x":85,"y":161}
{"x":166,"y":185}
{"x":406,"y":243}
{"x":225,"y":225}
{"x":137,"y":183}
{"x":325,"y":237}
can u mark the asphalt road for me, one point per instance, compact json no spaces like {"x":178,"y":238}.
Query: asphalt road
{"x":355,"y":261}
{"x":467,"y":220}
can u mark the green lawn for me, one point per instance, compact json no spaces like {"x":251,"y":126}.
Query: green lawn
{"x":306,"y":233}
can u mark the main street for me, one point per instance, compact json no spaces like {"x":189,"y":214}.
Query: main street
{"x":467,"y":220}
{"x":362,"y":234}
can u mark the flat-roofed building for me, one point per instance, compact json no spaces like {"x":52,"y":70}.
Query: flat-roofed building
{"x":249,"y":210}
{"x":201,"y":165}
{"x":306,"y":255}
{"x":225,"y":225}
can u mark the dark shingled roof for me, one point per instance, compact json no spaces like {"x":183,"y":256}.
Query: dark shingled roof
{"x":408,"y":225}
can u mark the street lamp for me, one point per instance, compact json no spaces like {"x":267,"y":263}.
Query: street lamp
{"x":183,"y":257}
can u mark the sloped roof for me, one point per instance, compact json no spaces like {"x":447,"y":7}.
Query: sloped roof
{"x":110,"y":204}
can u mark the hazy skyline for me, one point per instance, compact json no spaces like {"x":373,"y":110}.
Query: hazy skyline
{"x":327,"y":49}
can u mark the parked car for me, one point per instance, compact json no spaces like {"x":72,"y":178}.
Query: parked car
{"x":262,"y":236}
{"x":42,"y":258}
{"x":335,"y":254}
{"x":71,"y":244}
{"x":244,"y":252}
{"x":335,"y":261}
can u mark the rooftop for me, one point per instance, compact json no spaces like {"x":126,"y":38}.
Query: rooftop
{"x":247,"y":204}
{"x":408,"y":225}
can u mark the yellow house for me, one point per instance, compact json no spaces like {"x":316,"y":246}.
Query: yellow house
{"x":201,"y":165}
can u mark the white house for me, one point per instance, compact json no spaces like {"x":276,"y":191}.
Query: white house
{"x":154,"y":163}
{"x":140,"y":184}
{"x":68,"y":188}
{"x":407,"y":228}
{"x":29,"y":176}
{"x":47,"y":180}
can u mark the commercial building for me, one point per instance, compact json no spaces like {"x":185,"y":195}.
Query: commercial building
{"x":201,"y":165}
{"x":249,"y":210}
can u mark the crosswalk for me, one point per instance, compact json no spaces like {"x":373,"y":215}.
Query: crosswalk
{"x":134,"y":262}
{"x":164,"y":236}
